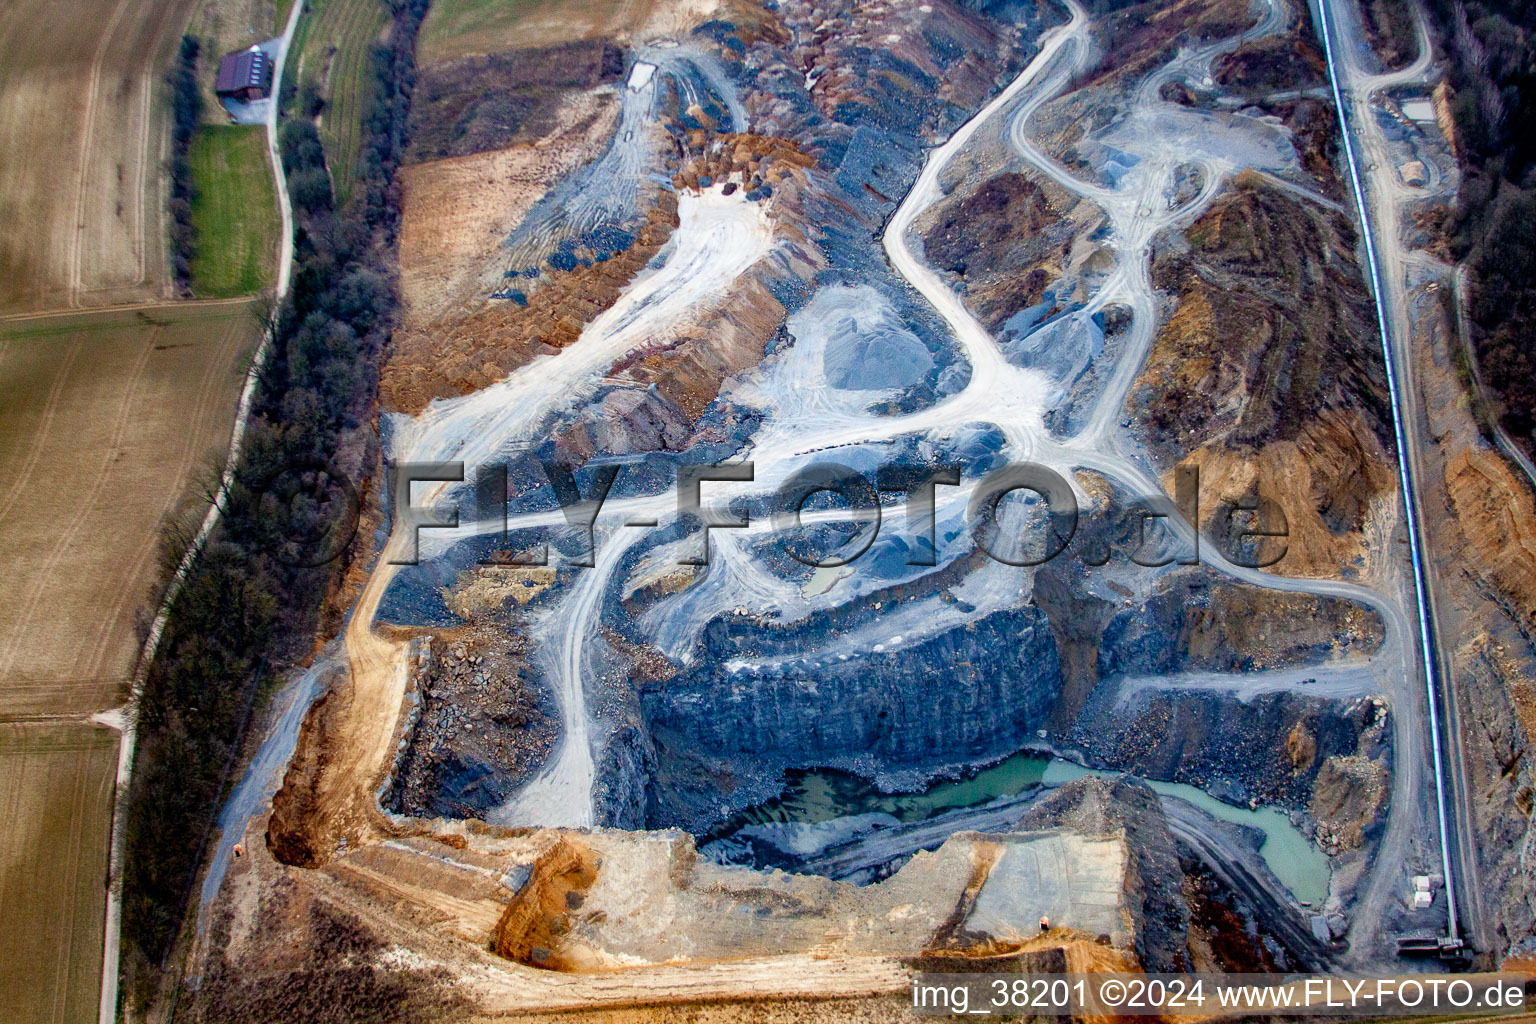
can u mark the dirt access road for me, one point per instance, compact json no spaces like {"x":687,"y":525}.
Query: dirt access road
{"x":111,"y":422}
{"x":82,"y":192}
{"x":1381,"y":198}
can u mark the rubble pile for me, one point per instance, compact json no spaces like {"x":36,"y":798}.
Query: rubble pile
{"x":485,"y":726}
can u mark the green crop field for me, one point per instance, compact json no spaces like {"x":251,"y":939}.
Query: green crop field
{"x":234,"y":212}
{"x":333,"y":44}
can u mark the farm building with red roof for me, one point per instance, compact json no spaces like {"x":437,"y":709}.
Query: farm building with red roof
{"x":246,"y":75}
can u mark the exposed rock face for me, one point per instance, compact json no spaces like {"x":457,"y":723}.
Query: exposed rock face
{"x":830,"y":177}
{"x":1301,"y":747}
{"x":946,"y":64}
{"x":1274,"y":64}
{"x":1078,"y":619}
{"x":1493,"y":680}
{"x":1349,"y":799}
{"x":624,"y":792}
{"x":1234,"y":749}
{"x":1268,"y":376}
{"x":710,"y":733}
{"x":687,"y":740}
{"x":1192,"y":623}
{"x":1314,"y":129}
{"x":1221,"y":937}
{"x":1267,"y":748}
{"x":1190,"y":619}
{"x":961,"y":695}
{"x":756,"y":160}
{"x":1153,"y":879}
{"x":898,"y":68}
{"x":723,"y":729}
{"x":484,"y":726}
{"x":1137,"y":37}
{"x":690,"y":369}
{"x":999,"y":241}
{"x":625,"y":421}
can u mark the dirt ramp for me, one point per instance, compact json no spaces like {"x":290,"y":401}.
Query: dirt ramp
{"x":293,"y":831}
{"x":558,"y":879}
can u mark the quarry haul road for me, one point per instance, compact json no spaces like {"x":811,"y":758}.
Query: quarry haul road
{"x":989,"y":398}
{"x":480,"y":426}
{"x":1388,"y":867}
{"x":476,"y":427}
{"x":1385,"y":257}
{"x":1244,"y":872}
{"x":718,"y":239}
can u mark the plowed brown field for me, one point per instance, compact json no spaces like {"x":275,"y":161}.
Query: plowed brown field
{"x":56,"y":798}
{"x":82,"y":111}
{"x":107,"y":421}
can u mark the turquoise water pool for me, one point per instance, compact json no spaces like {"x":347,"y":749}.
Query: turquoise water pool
{"x":824,"y":794}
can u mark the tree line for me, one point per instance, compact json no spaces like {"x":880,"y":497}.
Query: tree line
{"x":251,"y":599}
{"x":1488,"y":50}
{"x":186,"y":114}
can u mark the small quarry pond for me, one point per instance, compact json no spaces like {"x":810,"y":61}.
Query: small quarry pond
{"x":821,"y":795}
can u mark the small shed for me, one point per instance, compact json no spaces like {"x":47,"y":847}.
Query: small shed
{"x":245,"y":75}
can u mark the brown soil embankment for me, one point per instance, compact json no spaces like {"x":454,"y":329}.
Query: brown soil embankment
{"x":1268,"y":378}
{"x":458,"y":357}
{"x":456,"y":213}
{"x":529,"y":929}
{"x":1498,"y":519}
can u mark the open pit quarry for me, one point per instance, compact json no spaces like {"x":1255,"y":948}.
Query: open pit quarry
{"x":568,"y":750}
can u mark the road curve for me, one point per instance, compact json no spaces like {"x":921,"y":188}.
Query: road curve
{"x":986,"y":359}
{"x":369,"y":654}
